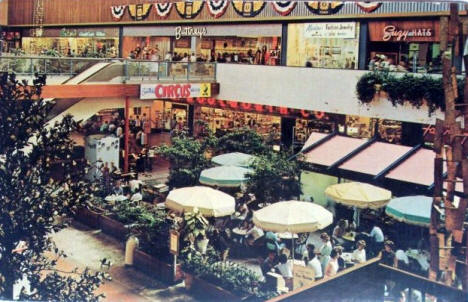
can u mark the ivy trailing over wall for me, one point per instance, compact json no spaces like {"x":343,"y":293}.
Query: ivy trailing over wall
{"x":414,"y":89}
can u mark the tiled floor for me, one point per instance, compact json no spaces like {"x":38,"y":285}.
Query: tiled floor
{"x":127,"y":285}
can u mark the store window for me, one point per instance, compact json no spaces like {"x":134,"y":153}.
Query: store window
{"x":221,"y":121}
{"x":324,"y":45}
{"x":92,"y":42}
{"x":405,"y":46}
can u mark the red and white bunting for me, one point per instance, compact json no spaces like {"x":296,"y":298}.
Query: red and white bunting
{"x":118,"y":11}
{"x":369,"y":7}
{"x":217,"y":8}
{"x":283,"y":8}
{"x":163,"y":9}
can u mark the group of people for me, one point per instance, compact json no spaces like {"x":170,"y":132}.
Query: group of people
{"x":262,"y":56}
{"x":384,"y":63}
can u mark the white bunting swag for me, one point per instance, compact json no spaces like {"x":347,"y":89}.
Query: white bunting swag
{"x":369,"y":7}
{"x":118,"y":11}
{"x":163,"y":9}
{"x":283,"y":8}
{"x":217,"y":8}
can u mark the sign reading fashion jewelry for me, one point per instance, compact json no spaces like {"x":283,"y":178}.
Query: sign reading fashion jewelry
{"x":343,"y":30}
{"x":174,"y":91}
{"x":190,"y":31}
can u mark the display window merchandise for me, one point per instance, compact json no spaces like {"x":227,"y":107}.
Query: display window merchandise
{"x":323,"y":45}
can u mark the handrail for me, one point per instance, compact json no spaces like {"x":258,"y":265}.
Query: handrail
{"x":133,"y":69}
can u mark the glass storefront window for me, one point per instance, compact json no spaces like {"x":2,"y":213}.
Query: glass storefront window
{"x":324,"y":45}
{"x":79,"y":47}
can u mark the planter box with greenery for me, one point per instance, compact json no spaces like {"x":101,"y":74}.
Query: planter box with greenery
{"x":113,"y":227}
{"x":88,"y":217}
{"x":156,"y":268}
{"x":208,"y":291}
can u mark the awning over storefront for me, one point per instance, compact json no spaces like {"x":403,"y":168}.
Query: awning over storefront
{"x":417,"y":169}
{"x":332,"y":150}
{"x":387,"y":164}
{"x":375,"y":158}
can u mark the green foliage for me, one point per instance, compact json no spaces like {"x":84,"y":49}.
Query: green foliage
{"x":275,"y":177}
{"x":410,"y":88}
{"x":187,"y":158}
{"x":228,"y":275}
{"x":242,"y":140}
{"x":32,"y":196}
{"x":195,"y":224}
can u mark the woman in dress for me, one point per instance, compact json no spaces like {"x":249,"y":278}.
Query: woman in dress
{"x":332,"y":266}
{"x":325,"y":250}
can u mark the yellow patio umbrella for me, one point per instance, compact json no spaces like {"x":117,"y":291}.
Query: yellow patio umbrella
{"x":359,"y":195}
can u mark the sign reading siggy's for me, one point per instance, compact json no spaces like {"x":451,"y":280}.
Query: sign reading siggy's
{"x":404,"y":31}
{"x":174,"y":91}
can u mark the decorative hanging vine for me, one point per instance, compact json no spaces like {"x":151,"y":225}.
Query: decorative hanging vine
{"x":413,"y":89}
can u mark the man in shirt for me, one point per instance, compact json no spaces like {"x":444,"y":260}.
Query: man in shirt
{"x":377,"y":239}
{"x":312,"y":261}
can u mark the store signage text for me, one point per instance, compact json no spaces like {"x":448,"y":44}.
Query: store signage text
{"x":344,"y":30}
{"x":190,"y":31}
{"x":257,"y":108}
{"x":174,"y":91}
{"x":85,"y":34}
{"x":429,"y":133}
{"x":391,"y":31}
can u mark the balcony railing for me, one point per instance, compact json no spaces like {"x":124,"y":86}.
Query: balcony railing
{"x":133,"y":70}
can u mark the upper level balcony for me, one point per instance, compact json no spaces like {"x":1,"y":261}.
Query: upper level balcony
{"x":310,"y":89}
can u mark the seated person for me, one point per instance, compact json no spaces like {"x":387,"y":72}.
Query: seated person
{"x":253,"y":234}
{"x":273,"y":242}
{"x":118,"y":188}
{"x":402,"y":259}
{"x":387,"y":255}
{"x":312,"y":261}
{"x":332,"y":265}
{"x":341,"y":262}
{"x":339,"y":231}
{"x":359,"y":254}
{"x":220,"y":243}
{"x":269,"y":263}
{"x":284,"y":268}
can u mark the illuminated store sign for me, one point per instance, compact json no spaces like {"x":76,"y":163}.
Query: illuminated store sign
{"x":174,"y":91}
{"x":190,"y":31}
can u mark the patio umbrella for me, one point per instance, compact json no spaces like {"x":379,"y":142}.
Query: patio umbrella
{"x":293,"y":216}
{"x":359,"y":195}
{"x":224,"y":176}
{"x":237,"y":159}
{"x":414,"y":210}
{"x":210,"y":202}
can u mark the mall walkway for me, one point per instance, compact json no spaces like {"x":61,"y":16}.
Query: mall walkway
{"x":86,"y":247}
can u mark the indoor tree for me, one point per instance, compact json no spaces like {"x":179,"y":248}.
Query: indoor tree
{"x":242,"y":140}
{"x":39,"y":181}
{"x":187,"y":159}
{"x":275,"y":177}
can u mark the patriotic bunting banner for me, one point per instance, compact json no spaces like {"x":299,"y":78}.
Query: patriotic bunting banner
{"x":139,"y":12}
{"x":189,"y":9}
{"x":284,"y":8}
{"x":163,"y":9}
{"x":217,"y":8}
{"x":248,"y":8}
{"x":369,"y":7}
{"x":118,"y":11}
{"x":324,"y":7}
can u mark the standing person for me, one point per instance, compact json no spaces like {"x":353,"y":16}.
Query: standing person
{"x":325,"y":250}
{"x":312,"y":261}
{"x":377,"y":237}
{"x":137,"y":123}
{"x":332,"y":266}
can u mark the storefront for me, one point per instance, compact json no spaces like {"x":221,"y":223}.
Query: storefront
{"x":250,"y":44}
{"x":82,"y":42}
{"x":409,"y":45}
{"x":10,"y":40}
{"x":323,"y":45}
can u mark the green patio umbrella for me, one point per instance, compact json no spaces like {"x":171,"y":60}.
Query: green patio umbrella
{"x":237,"y":159}
{"x":414,"y":210}
{"x":224,"y":176}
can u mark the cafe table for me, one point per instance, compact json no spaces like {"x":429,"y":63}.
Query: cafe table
{"x":350,"y":236}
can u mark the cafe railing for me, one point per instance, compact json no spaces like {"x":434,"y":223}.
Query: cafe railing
{"x":134,"y":70}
